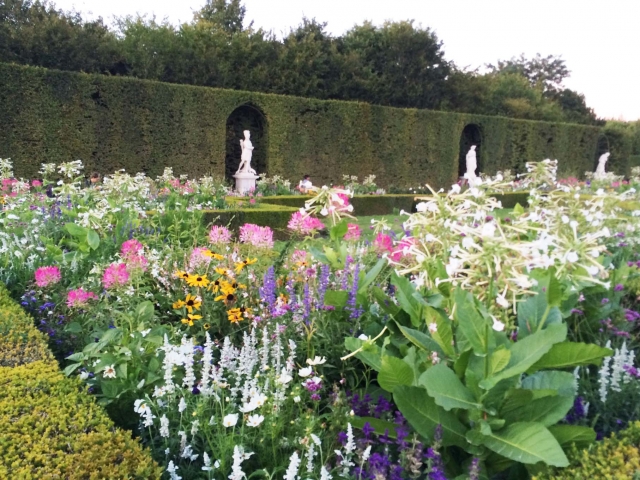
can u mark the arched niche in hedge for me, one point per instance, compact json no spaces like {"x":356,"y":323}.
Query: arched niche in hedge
{"x":471,"y":135}
{"x":246,"y":117}
{"x":603,"y":146}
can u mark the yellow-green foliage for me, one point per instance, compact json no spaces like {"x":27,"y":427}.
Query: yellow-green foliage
{"x":114,"y":122}
{"x":615,"y":458}
{"x":50,"y":428}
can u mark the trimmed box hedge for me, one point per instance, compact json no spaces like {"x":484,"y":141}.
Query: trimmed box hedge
{"x":50,"y":427}
{"x":266,"y":215}
{"x":140,"y":125}
{"x":363,"y":205}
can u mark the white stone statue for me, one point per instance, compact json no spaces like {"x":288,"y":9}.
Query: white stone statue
{"x":245,"y":176}
{"x":602,"y":161}
{"x":247,"y":152}
{"x":472,"y":164}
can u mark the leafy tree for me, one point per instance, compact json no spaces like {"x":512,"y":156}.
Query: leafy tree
{"x":547,"y":72}
{"x":227,"y":15}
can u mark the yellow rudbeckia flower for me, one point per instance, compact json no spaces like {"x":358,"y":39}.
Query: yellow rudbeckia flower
{"x":197,"y":281}
{"x":244,"y":263}
{"x":214,"y":255}
{"x":234,"y":315}
{"x":178,"y":304}
{"x":190,"y":319}
{"x":192,"y":303}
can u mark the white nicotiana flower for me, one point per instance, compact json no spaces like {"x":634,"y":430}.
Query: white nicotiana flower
{"x":498,"y":326}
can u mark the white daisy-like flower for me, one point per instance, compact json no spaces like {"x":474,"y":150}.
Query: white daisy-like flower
{"x":230,"y":420}
{"x":109,"y":372}
{"x":316,"y":360}
{"x":254,"y":420}
{"x":305,"y":372}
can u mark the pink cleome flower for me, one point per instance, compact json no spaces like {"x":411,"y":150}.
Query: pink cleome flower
{"x":36,"y":183}
{"x":219,"y":235}
{"x":46,"y":276}
{"x":198,"y":259}
{"x":131,"y":247}
{"x":261,"y":237}
{"x":303,"y":223}
{"x":115,"y":275}
{"x":383,"y":243}
{"x":79,"y":298}
{"x":353,"y":232}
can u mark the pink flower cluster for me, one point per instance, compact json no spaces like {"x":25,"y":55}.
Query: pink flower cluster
{"x":79,"y":298}
{"x":304,"y":224}
{"x":116,"y":275}
{"x":131,"y":251}
{"x":384,"y":243}
{"x":7,"y":187}
{"x":46,"y":276}
{"x":353,"y":232}
{"x":261,"y":237}
{"x":198,"y":259}
{"x":219,"y":235}
{"x":340,"y":203}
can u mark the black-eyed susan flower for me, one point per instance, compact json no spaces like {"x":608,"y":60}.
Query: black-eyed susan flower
{"x":181,"y":274}
{"x":215,"y":285}
{"x":244,"y":263}
{"x":197,"y":281}
{"x":234,"y":315}
{"x":214,"y":255}
{"x":222,"y":271}
{"x":227,"y":298}
{"x":206,"y":326}
{"x":192,"y":303}
{"x":178,"y":304}
{"x":190,"y":319}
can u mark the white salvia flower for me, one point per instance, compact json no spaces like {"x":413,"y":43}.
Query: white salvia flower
{"x":617,"y":369}
{"x":316,"y":361}
{"x":604,"y":376}
{"x":294,"y":465}
{"x":194,"y":427}
{"x":239,"y":456}
{"x":324,"y":474}
{"x":164,"y":427}
{"x":207,"y":462}
{"x":305,"y":372}
{"x":630,"y":358}
{"x":230,"y":420}
{"x":366,"y":453}
{"x":254,"y":420}
{"x":182,"y":406}
{"x":316,"y":440}
{"x":498,"y":326}
{"x":171,"y":469}
{"x":310,"y":454}
{"x":351,"y":444}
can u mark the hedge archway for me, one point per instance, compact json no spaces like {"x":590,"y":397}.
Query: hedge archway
{"x":471,"y":135}
{"x":246,"y":117}
{"x":603,"y":147}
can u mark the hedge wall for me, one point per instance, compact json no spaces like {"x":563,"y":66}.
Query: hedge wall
{"x":115,"y":122}
{"x":49,"y":426}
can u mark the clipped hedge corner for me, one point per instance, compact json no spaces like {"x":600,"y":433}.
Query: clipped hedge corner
{"x":50,"y":427}
{"x":615,"y":458}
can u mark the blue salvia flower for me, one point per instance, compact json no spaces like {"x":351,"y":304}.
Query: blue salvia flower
{"x":268,"y":289}
{"x":323,"y":283}
{"x":307,"y":302}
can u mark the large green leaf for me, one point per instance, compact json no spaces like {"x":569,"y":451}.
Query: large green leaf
{"x":405,"y":291}
{"x":336,"y":298}
{"x":547,"y":411}
{"x":568,"y":434}
{"x":385,"y":302}
{"x":528,"y":351}
{"x":421,"y":340}
{"x":370,"y":355}
{"x":443,"y":334}
{"x":499,"y":360}
{"x":532,"y":311}
{"x":570,"y":354}
{"x":526,"y":442}
{"x":371,"y":275}
{"x":447,"y":389}
{"x":93,"y":239}
{"x":75,"y":230}
{"x":424,"y":416}
{"x":471,"y":323}
{"x":563,"y":382}
{"x":394,"y":372}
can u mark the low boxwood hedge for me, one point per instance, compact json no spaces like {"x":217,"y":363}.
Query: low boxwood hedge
{"x":266,"y":215}
{"x":363,"y":205}
{"x":50,"y":427}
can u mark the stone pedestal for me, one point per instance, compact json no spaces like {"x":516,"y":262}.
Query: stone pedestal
{"x":245,"y":182}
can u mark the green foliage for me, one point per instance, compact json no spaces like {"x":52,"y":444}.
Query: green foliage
{"x":616,"y":458}
{"x":51,"y":428}
{"x":112,"y":123}
{"x":495,"y":398}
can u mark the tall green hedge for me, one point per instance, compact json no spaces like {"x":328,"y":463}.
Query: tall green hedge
{"x":114,"y":122}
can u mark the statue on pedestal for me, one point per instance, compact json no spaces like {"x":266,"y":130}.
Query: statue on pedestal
{"x":245,"y":176}
{"x":247,"y":152}
{"x":602,"y":161}
{"x":472,"y":164}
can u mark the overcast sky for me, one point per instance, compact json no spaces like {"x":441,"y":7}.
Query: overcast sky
{"x":599,"y":40}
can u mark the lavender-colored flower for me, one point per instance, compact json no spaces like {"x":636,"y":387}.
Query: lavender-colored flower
{"x":323,"y":283}
{"x":577,"y":311}
{"x":345,"y":274}
{"x":268,"y":290}
{"x":367,"y":430}
{"x":307,"y":302}
{"x":618,"y":288}
{"x":291,"y":292}
{"x":474,"y":469}
{"x":352,"y":298}
{"x":604,"y":301}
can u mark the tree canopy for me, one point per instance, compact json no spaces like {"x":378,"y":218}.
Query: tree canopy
{"x":396,"y":64}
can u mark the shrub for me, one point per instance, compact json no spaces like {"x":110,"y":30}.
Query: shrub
{"x":51,"y":428}
{"x":615,"y":458}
